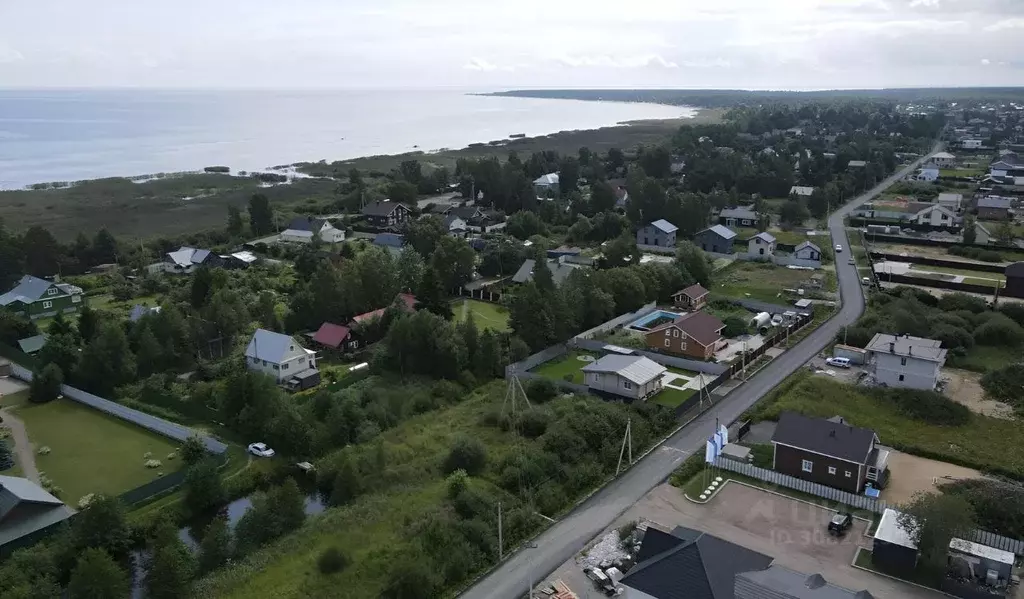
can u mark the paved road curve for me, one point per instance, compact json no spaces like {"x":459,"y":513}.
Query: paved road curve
{"x":560,"y":542}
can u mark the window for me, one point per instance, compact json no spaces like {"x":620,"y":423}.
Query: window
{"x":675,"y":332}
{"x":47,"y":304}
{"x":762,"y":251}
{"x":807,"y":466}
{"x":901,"y":378}
{"x":668,"y":332}
{"x":848,"y":474}
{"x":51,"y":291}
{"x":627,"y":385}
{"x":831,"y":469}
{"x":264,"y":362}
{"x":682,"y":345}
{"x":903,"y":361}
{"x":284,"y":367}
{"x":276,"y":367}
{"x":668,"y":343}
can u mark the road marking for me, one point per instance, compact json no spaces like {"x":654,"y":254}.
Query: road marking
{"x":682,"y":451}
{"x":552,"y":520}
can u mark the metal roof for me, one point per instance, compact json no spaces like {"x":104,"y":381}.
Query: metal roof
{"x":28,"y":290}
{"x":548,"y":179}
{"x":807,"y":244}
{"x":765,"y":236}
{"x":636,"y":369}
{"x":778,"y":581}
{"x":741,"y":213}
{"x":905,"y":345}
{"x":835,"y":439}
{"x":25,"y":508}
{"x":994,"y":202}
{"x":890,"y":531}
{"x":270,"y":346}
{"x":32,"y":344}
{"x":664,"y":226}
{"x":801,"y":190}
{"x":722,"y":231}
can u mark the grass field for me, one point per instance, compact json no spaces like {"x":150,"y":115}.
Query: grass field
{"x":984,"y":443}
{"x":786,"y":237}
{"x":92,"y":452}
{"x":757,"y":281}
{"x":486,"y":315}
{"x":983,"y":358}
{"x":566,"y":365}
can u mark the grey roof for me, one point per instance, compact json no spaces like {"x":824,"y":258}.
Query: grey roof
{"x":465,"y":212}
{"x":187,"y":256}
{"x":306,"y":223}
{"x":664,"y":226}
{"x":994,"y":202}
{"x":31,"y":345}
{"x":696,"y":566}
{"x":1015,"y":270}
{"x":560,"y":271}
{"x":835,"y":439}
{"x":905,"y":345}
{"x":765,"y":237}
{"x":452,"y":219}
{"x":270,"y":346}
{"x":380,"y":208}
{"x":25,"y":508}
{"x":636,"y":369}
{"x":740,"y":213}
{"x":200,"y":256}
{"x":801,"y":190}
{"x":857,"y":163}
{"x":890,"y":530}
{"x":777,"y":582}
{"x":525,"y":272}
{"x":28,"y":290}
{"x":807,"y":244}
{"x":722,"y":231}
{"x":548,"y":179}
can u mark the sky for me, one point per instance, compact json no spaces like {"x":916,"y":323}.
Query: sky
{"x":486,"y":44}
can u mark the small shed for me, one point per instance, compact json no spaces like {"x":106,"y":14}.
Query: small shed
{"x":855,"y":355}
{"x":983,"y":558}
{"x":31,"y":345}
{"x":893,"y":550}
{"x":304,"y":380}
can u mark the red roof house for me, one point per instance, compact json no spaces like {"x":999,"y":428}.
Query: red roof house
{"x":333,"y":335}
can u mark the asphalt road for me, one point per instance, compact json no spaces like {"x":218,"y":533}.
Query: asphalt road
{"x":568,"y":536}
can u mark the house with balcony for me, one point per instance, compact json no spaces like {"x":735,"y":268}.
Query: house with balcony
{"x":906,"y":361}
{"x":385,"y":214}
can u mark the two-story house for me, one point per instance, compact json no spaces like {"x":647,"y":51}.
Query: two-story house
{"x":659,"y":233}
{"x":692,"y":298}
{"x":385,"y":214}
{"x":761,"y":246}
{"x":282,"y":358}
{"x":905,"y":361}
{"x":944,"y":160}
{"x":717,"y":239}
{"x":302,"y":229}
{"x":35,"y":298}
{"x":829,"y":452}
{"x":935,"y":215}
{"x":695,"y":335}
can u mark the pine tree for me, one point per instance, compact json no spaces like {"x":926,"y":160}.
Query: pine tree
{"x":6,"y":458}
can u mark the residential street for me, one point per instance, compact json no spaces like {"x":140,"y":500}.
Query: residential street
{"x":568,"y":536}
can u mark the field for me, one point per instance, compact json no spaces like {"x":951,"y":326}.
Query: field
{"x":486,"y":315}
{"x":757,"y":281}
{"x":993,"y":226}
{"x":962,"y":172}
{"x":983,"y":443}
{"x":92,"y":452}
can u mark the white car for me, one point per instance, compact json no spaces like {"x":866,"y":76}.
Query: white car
{"x":261,"y":450}
{"x":839,"y":248}
{"x":838,"y":362}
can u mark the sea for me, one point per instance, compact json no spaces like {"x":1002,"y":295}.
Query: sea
{"x":71,"y":135}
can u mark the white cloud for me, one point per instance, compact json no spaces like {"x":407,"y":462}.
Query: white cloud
{"x":1006,"y":24}
{"x":479,"y":64}
{"x":986,"y":61}
{"x":617,"y":62}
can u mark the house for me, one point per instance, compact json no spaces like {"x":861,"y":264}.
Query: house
{"x":564,"y":250}
{"x":243,"y":259}
{"x":659,"y":233}
{"x":545,"y":184}
{"x":689,"y":564}
{"x":779,"y":582}
{"x":406,"y":301}
{"x":970,"y":144}
{"x":807,"y":251}
{"x":935,"y":215}
{"x":632,"y":377}
{"x":829,"y":452}
{"x":139,"y":312}
{"x":31,"y":345}
{"x":392,"y":242}
{"x":302,"y":229}
{"x":694,"y":335}
{"x":994,"y":208}
{"x":455,"y":226}
{"x":1015,"y":280}
{"x":36,"y":298}
{"x":560,"y":270}
{"x":761,"y":245}
{"x":692,"y":298}
{"x":282,"y":358}
{"x":186,"y":259}
{"x":738,"y":217}
{"x":1007,"y":167}
{"x":857,"y":164}
{"x":385,"y":214}
{"x":27,"y":512}
{"x":716,"y":239}
{"x":905,"y":361}
{"x":335,"y":336}
{"x":928,"y":172}
{"x":952,"y":201}
{"x":801,"y":191}
{"x":944,"y":160}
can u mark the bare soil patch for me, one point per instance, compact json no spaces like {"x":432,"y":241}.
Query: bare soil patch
{"x":964,"y":387}
{"x":910,"y":474}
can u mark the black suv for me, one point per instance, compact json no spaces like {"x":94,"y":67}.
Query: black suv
{"x":840,"y":523}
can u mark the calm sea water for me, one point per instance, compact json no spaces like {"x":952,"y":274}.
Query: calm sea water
{"x":74,"y":135}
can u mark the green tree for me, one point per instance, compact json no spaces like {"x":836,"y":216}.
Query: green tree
{"x":568,"y":175}
{"x":234,"y":221}
{"x":88,"y":323}
{"x":454,"y":261}
{"x":104,"y":248}
{"x":261,"y":215}
{"x":524,"y":224}
{"x":793,"y":212}
{"x":97,"y":576}
{"x":487,"y":361}
{"x":204,"y":490}
{"x":102,"y":526}
{"x":6,"y":458}
{"x":409,"y":269}
{"x":170,"y":565}
{"x":347,"y":483}
{"x":202,"y":287}
{"x":107,"y":361}
{"x":60,"y":325}
{"x":425,"y":234}
{"x":331,"y":560}
{"x":413,"y":577}
{"x":193,"y":450}
{"x":932,"y":520}
{"x":267,"y":310}
{"x":1004,"y":233}
{"x":46,"y":384}
{"x":402,"y":191}
{"x":602,"y":197}
{"x":432,"y":296}
{"x":970,"y":229}
{"x":621,"y":251}
{"x":466,"y":454}
{"x":693,"y":262}
{"x":216,"y":547}
{"x":149,"y":353}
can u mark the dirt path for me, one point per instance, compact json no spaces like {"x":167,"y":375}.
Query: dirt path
{"x":22,"y":445}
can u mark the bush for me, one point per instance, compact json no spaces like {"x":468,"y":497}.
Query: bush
{"x":1005,"y":384}
{"x":46,"y":384}
{"x":533,"y":423}
{"x":974,"y":253}
{"x":687,"y":470}
{"x":331,"y":560}
{"x":999,"y":330}
{"x":466,"y":454}
{"x":998,"y":506}
{"x":541,"y":390}
{"x":734,"y":327}
{"x":962,"y":301}
{"x":457,"y":482}
{"x":927,"y":406}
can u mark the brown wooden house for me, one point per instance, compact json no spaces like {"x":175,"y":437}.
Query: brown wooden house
{"x":829,"y":452}
{"x":694,"y":335}
{"x":692,"y":298}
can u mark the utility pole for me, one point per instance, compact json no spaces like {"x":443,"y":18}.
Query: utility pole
{"x":627,"y":440}
{"x":500,"y":542}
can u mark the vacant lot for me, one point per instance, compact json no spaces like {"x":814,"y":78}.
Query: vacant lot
{"x":754,"y":280}
{"x":784,"y":237}
{"x":91,"y":452}
{"x":911,"y":474}
{"x":965,"y":272}
{"x":965,"y":387}
{"x":486,"y":315}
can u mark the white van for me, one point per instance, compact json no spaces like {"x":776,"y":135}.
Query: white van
{"x":838,"y":362}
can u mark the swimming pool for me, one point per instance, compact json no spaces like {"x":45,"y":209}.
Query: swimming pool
{"x":652,"y":320}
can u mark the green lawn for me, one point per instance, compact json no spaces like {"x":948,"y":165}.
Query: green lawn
{"x":961,"y":172}
{"x":672,"y":398}
{"x":92,"y":452}
{"x":759,"y":281}
{"x":566,"y":365}
{"x":984,"y":443}
{"x":486,"y":315}
{"x":785,"y":237}
{"x":983,"y":358}
{"x":993,"y":225}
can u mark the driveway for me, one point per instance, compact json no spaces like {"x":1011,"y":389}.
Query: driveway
{"x":564,"y":538}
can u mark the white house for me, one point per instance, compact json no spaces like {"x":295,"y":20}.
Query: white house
{"x":302,"y":229}
{"x":801,"y":191}
{"x":545,"y":183}
{"x":970,"y":144}
{"x":807,"y":251}
{"x":905,"y":361}
{"x":944,"y":160}
{"x":953,"y":201}
{"x":635,"y":377}
{"x":279,"y":356}
{"x":761,"y":246}
{"x":928,"y":172}
{"x":935,"y":215}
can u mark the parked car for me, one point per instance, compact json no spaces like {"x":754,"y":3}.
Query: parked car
{"x":853,"y":260}
{"x":261,"y":450}
{"x":839,"y":248}
{"x":838,"y":362}
{"x":840,"y":523}
{"x":865,"y":281}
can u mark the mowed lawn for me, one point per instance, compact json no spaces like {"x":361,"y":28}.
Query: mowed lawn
{"x":569,"y":364}
{"x":91,"y":452}
{"x":486,"y":315}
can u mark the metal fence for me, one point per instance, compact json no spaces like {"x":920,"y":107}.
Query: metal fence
{"x":545,"y":355}
{"x":997,"y":268}
{"x":862,"y":502}
{"x":618,"y":321}
{"x":664,"y":360}
{"x":146,"y":421}
{"x":757,"y":306}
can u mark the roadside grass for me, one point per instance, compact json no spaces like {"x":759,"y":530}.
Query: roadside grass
{"x":988,"y":444}
{"x":961,"y":172}
{"x":569,"y":364}
{"x":986,"y":282}
{"x":486,"y":315}
{"x":758,"y":281}
{"x":92,"y":452}
{"x":724,"y":310}
{"x":966,"y":272}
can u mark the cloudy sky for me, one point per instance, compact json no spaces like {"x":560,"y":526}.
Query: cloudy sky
{"x":765,"y":44}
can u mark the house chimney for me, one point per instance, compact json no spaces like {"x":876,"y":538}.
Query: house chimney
{"x":832,"y":433}
{"x":892,"y":347}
